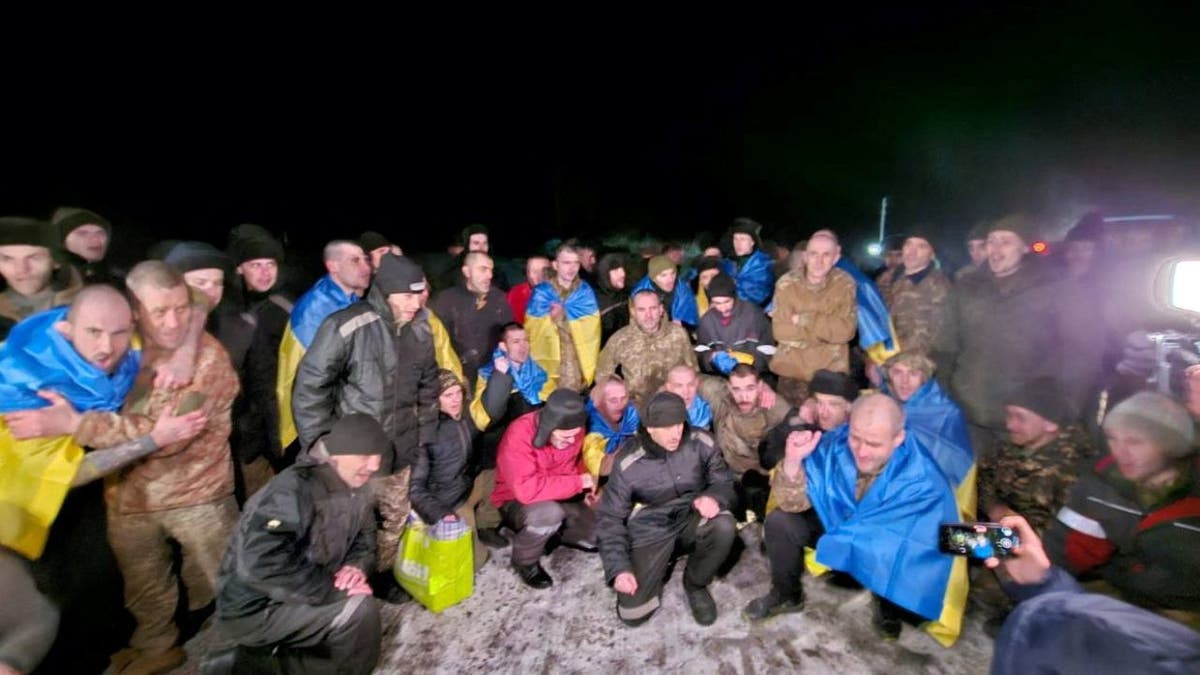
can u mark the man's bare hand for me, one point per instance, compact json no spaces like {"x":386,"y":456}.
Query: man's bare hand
{"x":625,"y":583}
{"x":766,"y":395}
{"x":800,"y":444}
{"x":586,"y":481}
{"x":348,"y":577}
{"x":1029,"y":564}
{"x":707,"y":506}
{"x":176,"y":372}
{"x":59,"y":419}
{"x":591,"y":499}
{"x":169,"y":429}
{"x":556,"y":310}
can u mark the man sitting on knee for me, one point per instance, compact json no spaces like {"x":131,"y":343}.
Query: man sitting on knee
{"x":295,"y":574}
{"x":669,"y":493}
{"x":542,"y":485}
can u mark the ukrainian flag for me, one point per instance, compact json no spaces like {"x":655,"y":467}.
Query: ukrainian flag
{"x":36,"y":473}
{"x":939,"y":425}
{"x":755,"y":281}
{"x":602,"y":439}
{"x":683,"y":304}
{"x":323,"y":299}
{"x":876,"y":334}
{"x":443,"y":350}
{"x":889,"y":540}
{"x":583,"y":321}
{"x":529,"y":379}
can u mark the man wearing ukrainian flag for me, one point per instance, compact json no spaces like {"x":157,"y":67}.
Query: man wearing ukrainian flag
{"x":563,"y":323}
{"x":81,"y":353}
{"x":348,"y":276}
{"x":869,"y":498}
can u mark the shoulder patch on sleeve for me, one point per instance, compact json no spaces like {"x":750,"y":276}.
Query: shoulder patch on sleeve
{"x":631,"y":458}
{"x":364,"y":319}
{"x":703,"y":436}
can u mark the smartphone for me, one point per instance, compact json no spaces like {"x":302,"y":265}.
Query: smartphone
{"x":190,"y":403}
{"x":978,"y":540}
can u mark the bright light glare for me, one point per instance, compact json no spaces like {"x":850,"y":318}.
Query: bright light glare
{"x":1185,"y":286}
{"x":875,"y":249}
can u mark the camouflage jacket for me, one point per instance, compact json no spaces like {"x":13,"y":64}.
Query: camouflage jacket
{"x":813,"y":325}
{"x":646,"y":358}
{"x":740,"y":434}
{"x":916,"y":304}
{"x":1034,"y":483}
{"x":790,"y":494}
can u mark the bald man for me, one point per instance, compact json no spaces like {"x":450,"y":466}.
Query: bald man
{"x":869,"y":499}
{"x":815,"y":318}
{"x":93,"y":369}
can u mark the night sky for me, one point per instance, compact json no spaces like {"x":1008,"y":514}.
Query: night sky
{"x":577,"y":127}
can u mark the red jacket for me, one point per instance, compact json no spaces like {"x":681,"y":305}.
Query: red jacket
{"x":518,"y":299}
{"x":528,"y":474}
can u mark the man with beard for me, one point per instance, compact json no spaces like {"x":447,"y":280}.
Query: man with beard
{"x":473,"y":312}
{"x":645,"y":350}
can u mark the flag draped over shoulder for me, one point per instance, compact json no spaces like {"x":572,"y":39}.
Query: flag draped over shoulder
{"x":323,"y":299}
{"x":583,"y":320}
{"x":700,"y":413}
{"x":36,"y":473}
{"x":876,"y":335}
{"x":443,"y":349}
{"x":939,"y":425}
{"x":529,"y":379}
{"x":755,"y":280}
{"x":683,"y":303}
{"x":602,"y":439}
{"x":889,"y":540}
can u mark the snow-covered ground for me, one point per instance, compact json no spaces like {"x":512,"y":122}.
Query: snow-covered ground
{"x":571,"y":627}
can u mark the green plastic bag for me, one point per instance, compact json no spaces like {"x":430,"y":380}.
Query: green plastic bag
{"x":436,"y":565}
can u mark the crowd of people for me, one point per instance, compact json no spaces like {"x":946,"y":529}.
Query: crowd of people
{"x":638,"y":404}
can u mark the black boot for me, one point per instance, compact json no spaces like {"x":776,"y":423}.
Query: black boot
{"x":704,"y":608}
{"x":887,"y":621}
{"x":533,"y":575}
{"x":492,"y":538}
{"x":773,"y":604}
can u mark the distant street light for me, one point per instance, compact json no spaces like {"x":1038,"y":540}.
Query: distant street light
{"x":874,"y":249}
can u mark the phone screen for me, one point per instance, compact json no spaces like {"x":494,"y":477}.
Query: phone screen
{"x":978,"y":540}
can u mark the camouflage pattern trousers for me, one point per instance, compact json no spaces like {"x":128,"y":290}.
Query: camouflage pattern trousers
{"x":393,"y":505}
{"x":142,"y":544}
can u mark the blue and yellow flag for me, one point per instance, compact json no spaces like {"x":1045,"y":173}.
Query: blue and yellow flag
{"x":755,"y":280}
{"x":876,"y":334}
{"x":602,"y":439}
{"x":939,"y":424}
{"x":443,"y":349}
{"x":529,"y":379}
{"x":583,"y":320}
{"x":36,"y":473}
{"x":683,"y":304}
{"x":323,"y":299}
{"x":700,"y":413}
{"x":889,"y":540}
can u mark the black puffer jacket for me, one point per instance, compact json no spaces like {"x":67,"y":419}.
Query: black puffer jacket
{"x":442,"y":476}
{"x":293,"y":535}
{"x":357,"y":363}
{"x":649,"y":495}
